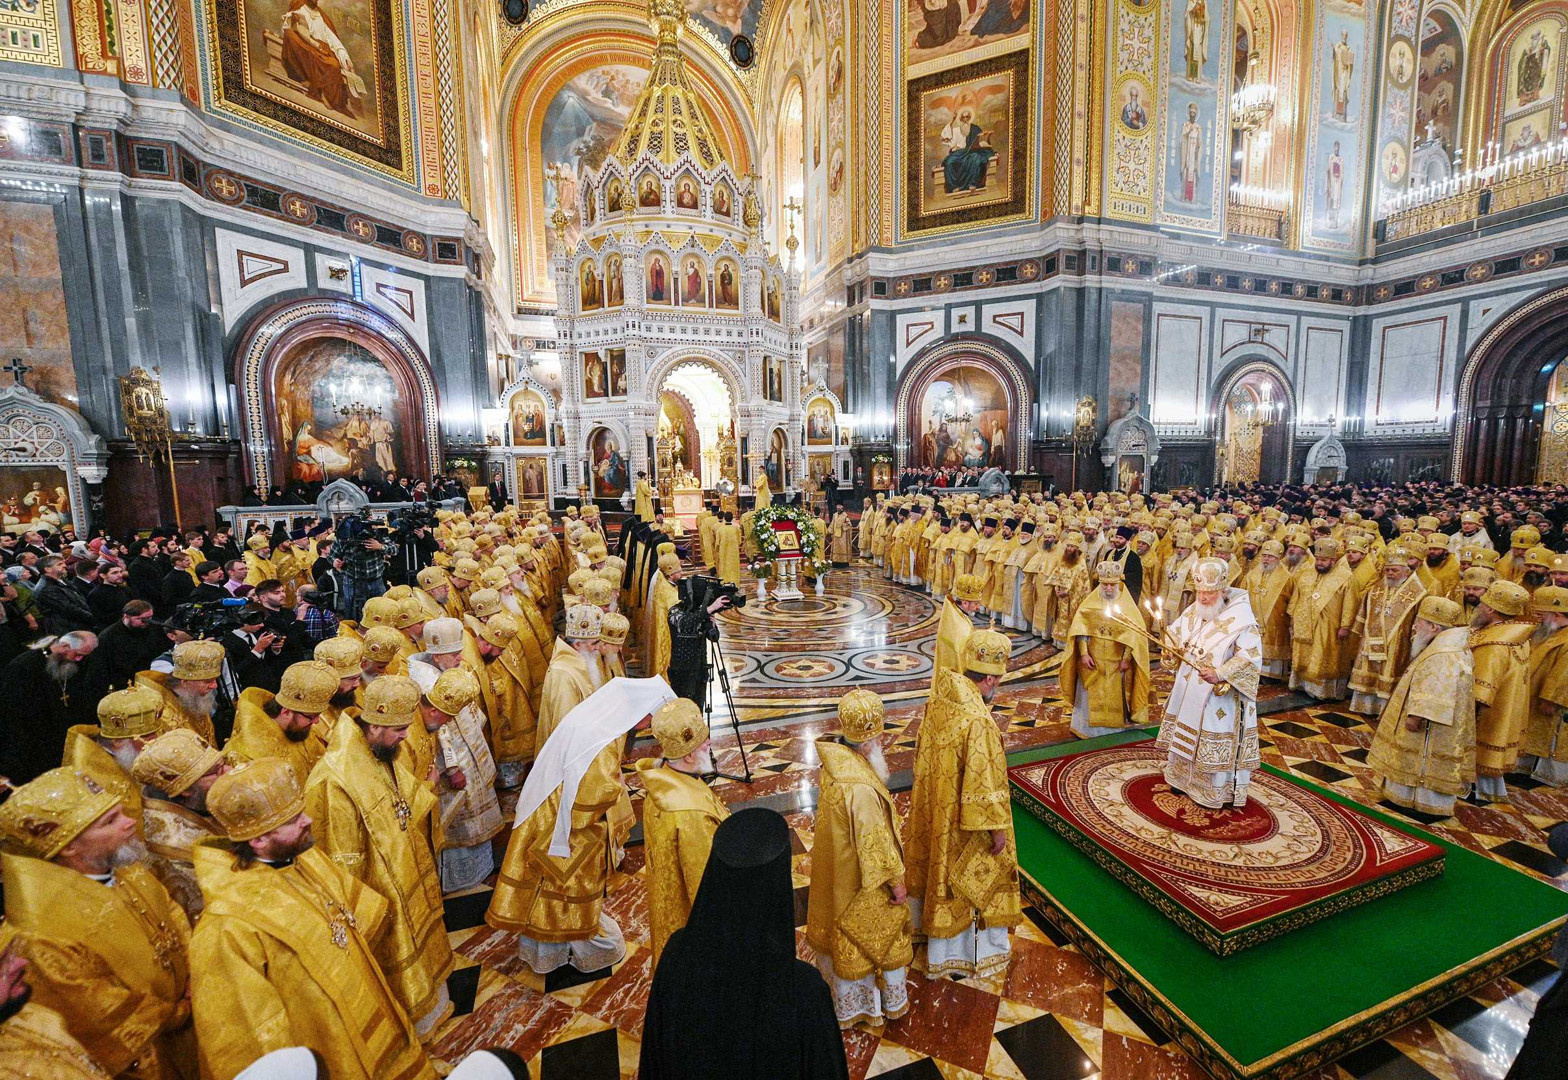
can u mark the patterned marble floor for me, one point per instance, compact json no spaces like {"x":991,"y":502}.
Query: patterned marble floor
{"x":1052,"y":1015}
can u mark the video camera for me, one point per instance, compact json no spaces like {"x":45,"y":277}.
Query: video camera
{"x":705,"y":589}
{"x":409,"y":520}
{"x":207,"y":619}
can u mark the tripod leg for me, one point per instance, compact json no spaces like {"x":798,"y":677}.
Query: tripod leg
{"x":716,"y":661}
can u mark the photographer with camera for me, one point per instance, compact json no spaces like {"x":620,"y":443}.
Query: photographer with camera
{"x":416,"y":544}
{"x":692,"y":628}
{"x":364,"y":556}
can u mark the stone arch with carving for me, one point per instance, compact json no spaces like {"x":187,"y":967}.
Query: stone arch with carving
{"x":274,"y":333}
{"x":1130,"y":436}
{"x":1327,"y":453}
{"x":1232,"y":376}
{"x":35,"y":432}
{"x":1000,"y":359}
{"x":729,"y":369}
{"x":528,"y":382}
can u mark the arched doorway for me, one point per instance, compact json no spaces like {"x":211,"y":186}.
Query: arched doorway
{"x":965,"y":405}
{"x":1506,"y":392}
{"x":697,"y":422}
{"x":1256,"y":419}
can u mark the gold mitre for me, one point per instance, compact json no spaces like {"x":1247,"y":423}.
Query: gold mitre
{"x":379,"y":611}
{"x":259,"y":542}
{"x":577,"y":579}
{"x":399,"y":593}
{"x":584,"y":623}
{"x":861,"y":715}
{"x":382,"y":644}
{"x":669,"y":563}
{"x":1477,"y":576}
{"x":1506,"y":598}
{"x":342,"y":654}
{"x":986,"y":652}
{"x":1209,"y":574}
{"x":679,"y":727}
{"x":598,"y":592}
{"x":466,"y":570}
{"x":174,"y":761}
{"x":1445,"y":612}
{"x":196,"y":661}
{"x":1326,"y":547}
{"x":968,"y":587}
{"x":390,"y":701}
{"x":485,"y":603}
{"x":613,"y":628}
{"x":1549,"y":598}
{"x":493,"y":578}
{"x":130,"y":713}
{"x":255,"y":798}
{"x":499,"y":629}
{"x":453,"y":691}
{"x":433,"y":577}
{"x":1525,"y":537}
{"x":1108,"y":570}
{"x":410,"y":612}
{"x":308,"y":687}
{"x":443,"y":636}
{"x":45,"y":814}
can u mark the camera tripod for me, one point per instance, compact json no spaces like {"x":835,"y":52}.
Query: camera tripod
{"x":715,"y":661}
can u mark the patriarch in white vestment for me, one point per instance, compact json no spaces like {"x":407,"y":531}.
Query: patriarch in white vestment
{"x":1210,"y":729}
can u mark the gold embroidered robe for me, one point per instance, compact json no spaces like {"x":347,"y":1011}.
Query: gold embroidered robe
{"x":1115,"y":698}
{"x":1439,"y":687}
{"x":566,"y":684}
{"x":1320,"y":606}
{"x":171,"y":832}
{"x":36,"y":1045}
{"x":1383,"y":623}
{"x":1036,"y":571}
{"x":665,"y":596}
{"x":173,"y":713}
{"x":83,"y":754}
{"x":1065,"y":588}
{"x":841,"y":549}
{"x":513,"y":724}
{"x":1546,"y":730}
{"x":680,"y":814}
{"x":953,"y":629}
{"x":1442,"y":579}
{"x":1502,"y":693}
{"x":111,"y":960}
{"x":1175,"y":589}
{"x":726,"y":542}
{"x":1270,"y":595}
{"x":257,"y":735}
{"x":350,"y":798}
{"x":268,"y":974}
{"x":960,"y":796}
{"x":964,"y":542}
{"x":856,"y":857}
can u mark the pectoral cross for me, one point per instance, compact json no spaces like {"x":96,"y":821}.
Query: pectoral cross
{"x":17,"y":370}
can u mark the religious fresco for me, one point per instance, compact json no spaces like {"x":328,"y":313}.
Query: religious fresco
{"x":34,"y":497}
{"x":963,"y":420}
{"x":773,"y":378}
{"x":968,"y":146}
{"x":726,"y":285}
{"x":1193,"y":163}
{"x":693,"y":282}
{"x":529,"y":427}
{"x":614,"y":282}
{"x":1132,"y":111}
{"x":773,"y":300}
{"x":590,"y":291}
{"x":775,"y":463}
{"x":581,"y":123}
{"x":1336,"y":146}
{"x":1400,"y":100}
{"x":945,"y":33}
{"x":533,"y":477}
{"x":608,"y":464}
{"x":596,"y":376}
{"x":819,"y":423}
{"x":1527,"y":79}
{"x":726,"y":19}
{"x":616,"y":358}
{"x":340,"y":412}
{"x":328,"y":70}
{"x":1439,"y":78}
{"x":34,"y":326}
{"x":658,"y":282}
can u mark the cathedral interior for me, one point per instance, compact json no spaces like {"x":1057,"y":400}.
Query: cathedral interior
{"x":554,"y":247}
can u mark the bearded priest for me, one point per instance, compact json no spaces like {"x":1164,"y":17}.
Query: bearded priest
{"x":960,"y":862}
{"x":1544,"y":752}
{"x":1210,"y":729}
{"x":553,"y":881}
{"x":1105,"y":672}
{"x":857,"y":921}
{"x":957,"y":620}
{"x":1382,"y":623}
{"x":574,"y":670}
{"x":1423,"y":754}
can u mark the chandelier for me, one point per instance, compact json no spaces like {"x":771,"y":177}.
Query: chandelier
{"x":956,"y":411}
{"x":1252,"y":105}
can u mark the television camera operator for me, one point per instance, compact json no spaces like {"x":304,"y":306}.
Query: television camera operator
{"x":364,"y":550}
{"x":413,"y":531}
{"x":692,"y":627}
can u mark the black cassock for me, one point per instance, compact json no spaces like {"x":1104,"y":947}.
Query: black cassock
{"x":730,"y":999}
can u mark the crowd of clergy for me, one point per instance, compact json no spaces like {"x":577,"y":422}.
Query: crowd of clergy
{"x":179,"y":905}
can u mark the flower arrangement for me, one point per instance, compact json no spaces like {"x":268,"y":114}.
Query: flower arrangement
{"x":761,"y":570}
{"x":767,"y":541}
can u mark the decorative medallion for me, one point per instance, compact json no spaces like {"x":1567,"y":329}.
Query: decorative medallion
{"x":1427,"y":283}
{"x":1478,"y":271}
{"x":361,"y":227}
{"x":299,"y":208}
{"x":413,"y":243}
{"x":1029,"y":270}
{"x":1538,"y":258}
{"x":985,"y":277}
{"x":224,"y":187}
{"x":742,"y":51}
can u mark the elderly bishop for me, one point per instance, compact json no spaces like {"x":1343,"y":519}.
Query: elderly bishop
{"x":1383,"y":624}
{"x":1544,"y":754}
{"x":176,"y":770}
{"x":1105,"y":673}
{"x":857,"y":920}
{"x":1210,"y":729}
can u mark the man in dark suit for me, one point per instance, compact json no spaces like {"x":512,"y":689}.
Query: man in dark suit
{"x":253,"y":651}
{"x":146,"y":577}
{"x":109,"y":597}
{"x":1120,"y":551}
{"x":211,"y":587}
{"x":61,"y":604}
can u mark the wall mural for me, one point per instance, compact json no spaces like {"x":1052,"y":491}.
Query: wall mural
{"x":328,"y":70}
{"x":963,"y":420}
{"x":35,"y":326}
{"x":1527,"y":80}
{"x":608,"y":463}
{"x":968,"y":146}
{"x":1132,"y":112}
{"x":34,"y":498}
{"x":340,"y":413}
{"x":1336,"y":147}
{"x":1400,"y":93}
{"x":1195,"y":124}
{"x":1440,"y":78}
{"x":532,"y":477}
{"x":581,"y":123}
{"x":819,"y":422}
{"x":943,"y":33}
{"x":726,"y":18}
{"x":529,"y":427}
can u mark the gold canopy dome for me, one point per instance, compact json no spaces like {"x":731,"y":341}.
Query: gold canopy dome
{"x":668,"y":120}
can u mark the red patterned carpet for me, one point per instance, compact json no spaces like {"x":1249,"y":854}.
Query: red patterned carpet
{"x":1232,"y":878}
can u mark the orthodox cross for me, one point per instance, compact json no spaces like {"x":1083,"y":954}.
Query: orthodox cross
{"x":17,"y":370}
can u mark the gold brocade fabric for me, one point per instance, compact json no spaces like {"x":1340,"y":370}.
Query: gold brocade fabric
{"x":1438,"y":686}
{"x":1546,"y":730}
{"x":964,"y":543}
{"x":1441,"y":579}
{"x":1270,"y":594}
{"x":679,"y":817}
{"x":952,"y":631}
{"x":83,"y":754}
{"x":173,"y":713}
{"x":258,"y":569}
{"x":1066,"y":587}
{"x":513,"y":723}
{"x":35,"y":1045}
{"x":283,"y":957}
{"x":1175,"y":588}
{"x":1115,"y":697}
{"x":665,"y":596}
{"x":559,"y":898}
{"x":1320,"y":606}
{"x":350,"y":798}
{"x":1502,"y":694}
{"x":257,"y":735}
{"x":111,"y":959}
{"x":566,"y":684}
{"x":1383,"y":623}
{"x":171,"y":831}
{"x":643,"y":501}
{"x":960,"y":795}
{"x":1036,"y":571}
{"x":998,"y":595}
{"x":856,"y":856}
{"x":842,"y":533}
{"x":726,"y":542}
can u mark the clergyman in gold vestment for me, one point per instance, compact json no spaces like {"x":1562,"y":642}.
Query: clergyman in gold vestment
{"x":284,"y":955}
{"x":384,"y":827}
{"x":574,"y":671}
{"x":957,"y":621}
{"x":35,"y":1044}
{"x":857,"y":919}
{"x":105,"y":943}
{"x":1544,"y":753}
{"x":680,"y":814}
{"x":1383,"y":626}
{"x":960,"y":863}
{"x":1105,"y":672}
{"x":1423,"y":753}
{"x":1500,"y":640}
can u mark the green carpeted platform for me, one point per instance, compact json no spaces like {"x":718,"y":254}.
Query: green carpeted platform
{"x":1298,"y":1002}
